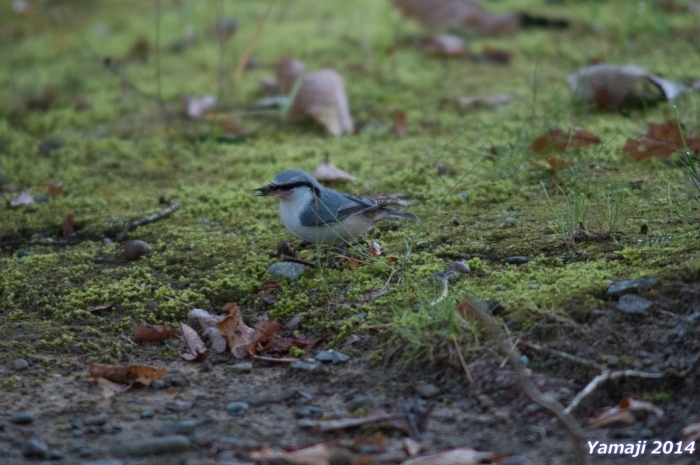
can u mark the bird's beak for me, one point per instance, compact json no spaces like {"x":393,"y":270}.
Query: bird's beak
{"x":268,"y":190}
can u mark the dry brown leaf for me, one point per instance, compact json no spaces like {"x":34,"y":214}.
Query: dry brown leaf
{"x":318,"y":454}
{"x":556,"y":140}
{"x":52,"y":190}
{"x":661,"y":140}
{"x":499,"y":57}
{"x":452,"y":13}
{"x":328,"y":172}
{"x":345,"y":423}
{"x":237,"y":333}
{"x":195,"y":348}
{"x":67,"y":226}
{"x":208,"y":323}
{"x":556,"y":163}
{"x":320,"y":95}
{"x":110,"y":388}
{"x":443,"y":45}
{"x":144,"y":333}
{"x":461,"y":456}
{"x":145,"y":374}
{"x":25,"y":198}
{"x":400,"y":127}
{"x":352,"y":262}
{"x":485,"y":101}
{"x":114,"y":373}
{"x":615,"y":87}
{"x":466,"y":311}
{"x":99,"y":308}
{"x":265,"y":332}
{"x":622,"y":413}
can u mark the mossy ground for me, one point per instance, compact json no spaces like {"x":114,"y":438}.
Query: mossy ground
{"x":119,"y":156}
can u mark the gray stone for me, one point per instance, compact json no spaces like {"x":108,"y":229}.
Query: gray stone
{"x":95,"y":421}
{"x":21,"y":253}
{"x":304,"y":366}
{"x":147,"y":414}
{"x":633,"y":304}
{"x":22,"y":418}
{"x":55,"y":454}
{"x":308,"y":411}
{"x":331,"y":356}
{"x":78,"y":433}
{"x":623,"y":287}
{"x":244,"y":367}
{"x":365,"y":403}
{"x":237,"y":408}
{"x":427,"y":390}
{"x":612,"y":360}
{"x":35,"y":448}
{"x":85,"y":452}
{"x":157,"y":384}
{"x":20,"y":364}
{"x":178,"y":427}
{"x":151,"y":446}
{"x":517,"y":260}
{"x":289,"y":270}
{"x":41,"y":198}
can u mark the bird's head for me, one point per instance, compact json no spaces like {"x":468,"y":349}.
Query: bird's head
{"x":289,"y":184}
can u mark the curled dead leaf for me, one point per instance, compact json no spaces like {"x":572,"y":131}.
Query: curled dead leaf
{"x":124,"y":375}
{"x":375,"y":249}
{"x":400,"y":127}
{"x":623,"y":413}
{"x":144,"y":333}
{"x":238,"y":335}
{"x":208,"y":323}
{"x":55,"y":189}
{"x":195,"y":350}
{"x":110,"y":388}
{"x":556,"y":140}
{"x":328,"y":172}
{"x":660,"y":140}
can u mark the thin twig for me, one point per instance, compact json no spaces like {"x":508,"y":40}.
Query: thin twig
{"x":136,"y":222}
{"x":465,"y":367}
{"x":525,"y":377}
{"x":605,"y":376}
{"x":564,"y":355}
{"x":250,"y":45}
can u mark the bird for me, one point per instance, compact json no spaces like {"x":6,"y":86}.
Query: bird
{"x":319,"y":215}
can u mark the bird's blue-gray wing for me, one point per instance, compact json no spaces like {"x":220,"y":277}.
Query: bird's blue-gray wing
{"x":331,"y":207}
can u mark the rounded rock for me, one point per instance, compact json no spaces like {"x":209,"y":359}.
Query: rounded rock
{"x":237,"y":408}
{"x":133,"y":250}
{"x":20,"y":364}
{"x":157,"y":384}
{"x":35,"y":447}
{"x":22,"y":418}
{"x":244,"y":367}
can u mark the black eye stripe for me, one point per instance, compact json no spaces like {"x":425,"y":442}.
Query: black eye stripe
{"x":294,"y":185}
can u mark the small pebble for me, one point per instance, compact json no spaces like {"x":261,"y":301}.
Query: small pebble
{"x":365,"y":403}
{"x":35,"y":448}
{"x":84,"y":452}
{"x":95,"y":421}
{"x":237,"y":408}
{"x":107,"y":241}
{"x":205,"y":366}
{"x":178,"y":427}
{"x":147,"y":414}
{"x":22,"y":418}
{"x":73,"y":348}
{"x":309,"y":411}
{"x":340,"y":456}
{"x":633,"y":304}
{"x":55,"y":454}
{"x":623,"y":287}
{"x":290,"y":270}
{"x":152,"y":446}
{"x":245,"y":367}
{"x":304,"y":366}
{"x":612,"y":360}
{"x":41,"y":198}
{"x":21,"y":253}
{"x":427,"y":390}
{"x":332,"y":356}
{"x":133,"y":250}
{"x":517,"y":260}
{"x":157,"y":384}
{"x":20,"y":364}
{"x":78,"y":433}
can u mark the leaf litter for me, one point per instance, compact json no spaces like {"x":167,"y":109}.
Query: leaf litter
{"x":660,"y":140}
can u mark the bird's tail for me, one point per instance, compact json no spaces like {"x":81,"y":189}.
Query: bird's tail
{"x":400,"y":214}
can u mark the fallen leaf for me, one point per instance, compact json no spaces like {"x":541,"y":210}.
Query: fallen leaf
{"x":110,"y":388}
{"x":443,"y":45}
{"x":114,"y":373}
{"x":460,"y":456}
{"x":265,"y":332}
{"x":616,"y":87}
{"x":485,"y":101}
{"x":556,"y":140}
{"x":320,"y":95}
{"x":452,"y":13}
{"x":375,"y":249}
{"x":197,"y":107}
{"x":67,"y":226}
{"x":328,"y":172}
{"x":208,"y":323}
{"x":661,"y":140}
{"x":466,"y":311}
{"x":23,"y":199}
{"x":352,"y":263}
{"x":556,"y":163}
{"x":353,"y":422}
{"x":144,"y":333}
{"x":81,"y":103}
{"x":369,"y":296}
{"x":141,"y":48}
{"x":622,"y":413}
{"x":145,"y":374}
{"x":499,"y":57}
{"x":99,"y":308}
{"x":318,"y":454}
{"x":400,"y":127}
{"x":237,"y":333}
{"x":195,"y":350}
{"x":53,"y":190}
